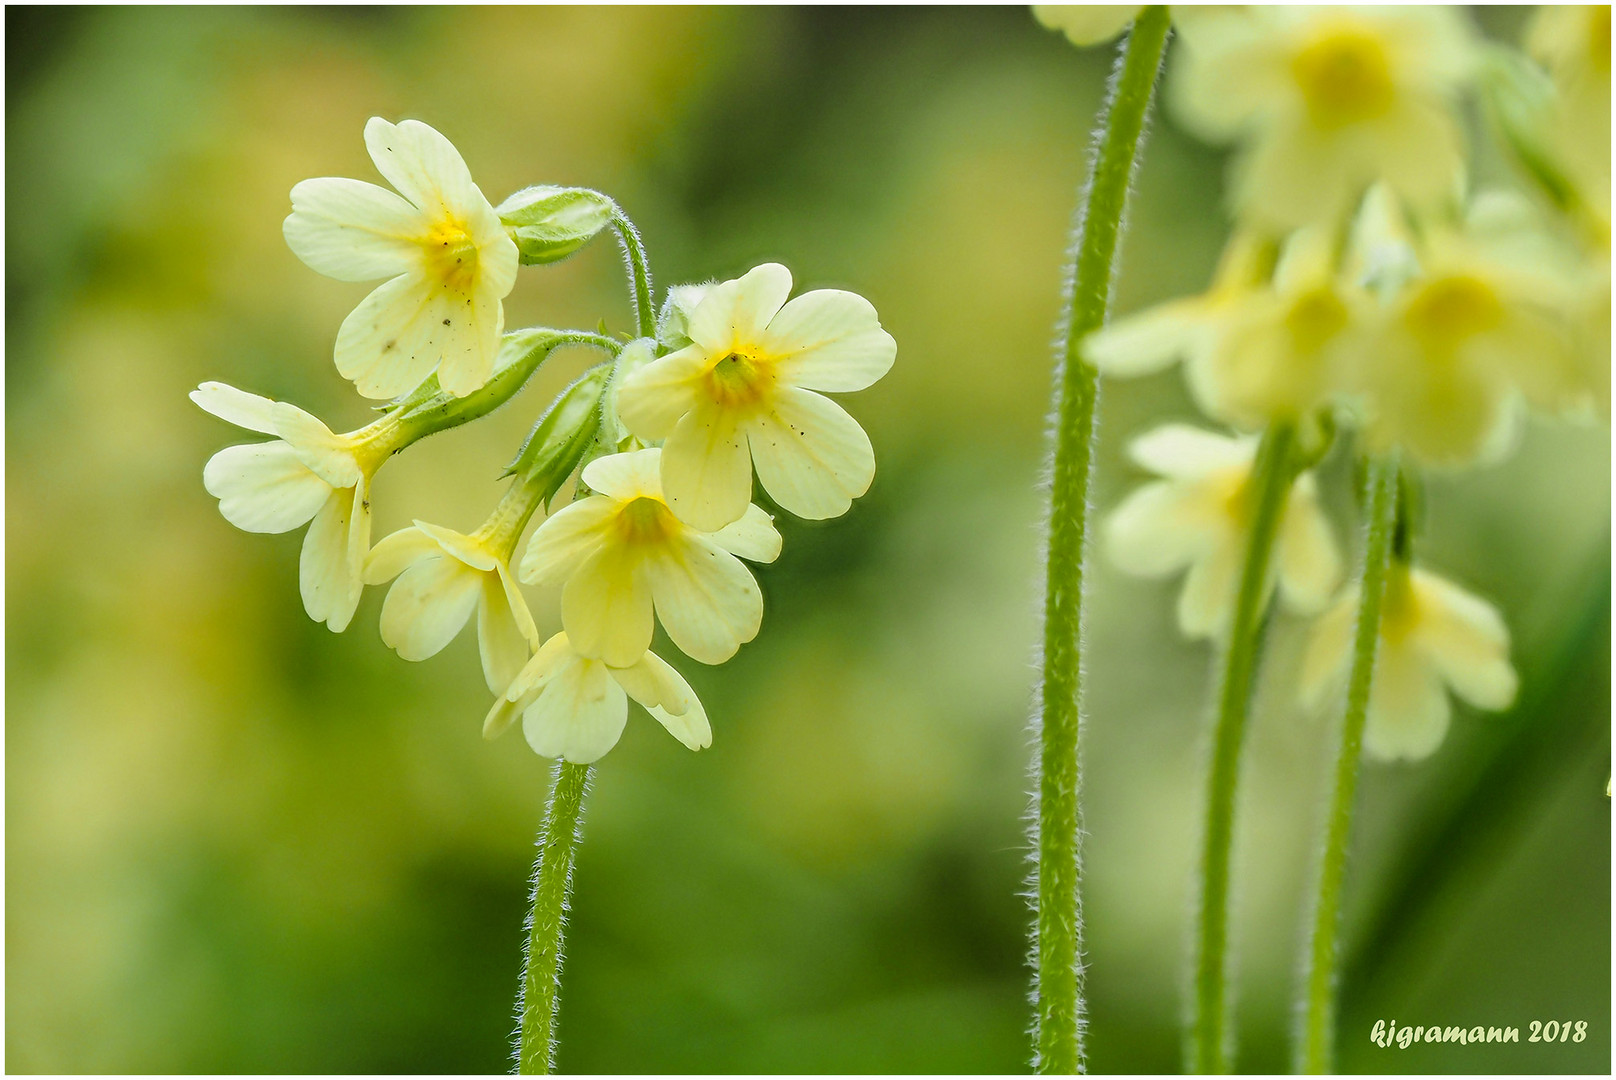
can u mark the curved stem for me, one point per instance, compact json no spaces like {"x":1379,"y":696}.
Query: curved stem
{"x":552,"y":882}
{"x":1270,"y":482}
{"x":1059,"y":1021}
{"x":1317,"y":1042}
{"x":639,"y":272}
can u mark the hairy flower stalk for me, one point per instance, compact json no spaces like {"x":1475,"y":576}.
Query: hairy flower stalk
{"x":1059,"y":1017}
{"x":1316,"y":1043}
{"x":638,"y":271}
{"x":552,"y":885}
{"x":1210,"y":1029}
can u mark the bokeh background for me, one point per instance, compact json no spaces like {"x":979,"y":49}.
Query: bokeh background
{"x":236,"y":842}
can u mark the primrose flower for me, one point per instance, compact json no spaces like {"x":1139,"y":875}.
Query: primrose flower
{"x":1199,"y":516}
{"x":1434,"y":636}
{"x":307,"y":473}
{"x":1327,"y":100}
{"x":621,"y":552}
{"x":1482,"y":321}
{"x":743,"y":393}
{"x":575,"y":708}
{"x":1573,"y":41}
{"x":1252,"y":353}
{"x":449,"y":261}
{"x":442,"y":576}
{"x":1087,"y":24}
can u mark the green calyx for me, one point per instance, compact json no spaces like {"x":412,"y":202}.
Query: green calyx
{"x":549,"y":223}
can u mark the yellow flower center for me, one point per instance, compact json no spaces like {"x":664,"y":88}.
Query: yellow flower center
{"x":1314,"y":318}
{"x":739,"y":379}
{"x":645,"y":520}
{"x":1447,"y":311}
{"x":451,"y":255}
{"x":1344,"y":77}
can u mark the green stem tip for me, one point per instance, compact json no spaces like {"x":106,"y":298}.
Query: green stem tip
{"x":1316,"y":1039}
{"x":1059,"y":1018}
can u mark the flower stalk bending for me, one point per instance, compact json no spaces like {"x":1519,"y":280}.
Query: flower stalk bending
{"x":552,"y":884}
{"x":1317,"y":1037}
{"x":1059,"y":1018}
{"x":1270,"y":481}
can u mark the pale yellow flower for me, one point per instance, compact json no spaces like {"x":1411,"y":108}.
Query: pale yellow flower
{"x":575,"y":708}
{"x":1253,"y":353}
{"x":449,"y":261}
{"x":1434,"y":637}
{"x":307,"y":473}
{"x":442,"y":577}
{"x":1199,"y":517}
{"x":1573,"y":41}
{"x":1482,"y":321}
{"x":1087,"y":24}
{"x":622,"y":552}
{"x":745,"y":392}
{"x":1327,"y":100}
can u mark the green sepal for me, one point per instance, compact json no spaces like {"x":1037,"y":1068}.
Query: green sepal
{"x":550,"y":223}
{"x":563,"y":434}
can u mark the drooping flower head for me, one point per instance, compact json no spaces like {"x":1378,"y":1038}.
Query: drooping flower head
{"x":622,"y":553}
{"x":1434,"y":637}
{"x":449,"y":261}
{"x":575,"y":708}
{"x":1326,"y":101}
{"x":442,"y":577}
{"x":747,"y":392}
{"x":1199,"y":516}
{"x":306,"y":473}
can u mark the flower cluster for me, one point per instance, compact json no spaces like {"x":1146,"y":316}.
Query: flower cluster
{"x":1367,"y":295}
{"x":662,"y":439}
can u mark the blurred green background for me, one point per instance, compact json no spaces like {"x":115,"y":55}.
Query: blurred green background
{"x":236,"y":842}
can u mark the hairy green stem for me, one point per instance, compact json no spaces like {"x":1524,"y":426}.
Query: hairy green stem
{"x":1270,"y":483}
{"x":639,"y":272}
{"x":552,"y":883}
{"x":1059,"y":1020}
{"x":1316,"y":1044}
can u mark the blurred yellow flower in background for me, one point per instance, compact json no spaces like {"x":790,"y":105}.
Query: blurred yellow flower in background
{"x":1087,"y":24}
{"x":442,"y":576}
{"x":1327,"y":100}
{"x":575,"y":708}
{"x":449,"y":260}
{"x":619,"y":552}
{"x":1434,"y":637}
{"x":749,"y":380}
{"x":1199,"y":516}
{"x":307,"y":473}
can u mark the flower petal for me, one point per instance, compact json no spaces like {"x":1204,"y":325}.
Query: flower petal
{"x":606,"y":608}
{"x":501,"y":638}
{"x":1309,"y":565}
{"x":330,"y":569}
{"x":579,"y":714}
{"x":737,"y":313}
{"x":470,"y":343}
{"x":264,"y":487}
{"x":1160,"y":528}
{"x":627,"y":476}
{"x":237,"y":407}
{"x":708,"y":601}
{"x":753,"y":537}
{"x":811,"y":457}
{"x":396,"y":552}
{"x":1465,"y":640}
{"x":1205,"y":605}
{"x":460,"y":546}
{"x":353,"y":231}
{"x":652,"y":399}
{"x":330,"y":456}
{"x":566,"y":538}
{"x":1408,"y":710}
{"x":829,"y":340}
{"x":706,"y":474}
{"x":1148,"y":341}
{"x":675,"y":707}
{"x":1183,"y":452}
{"x":422,"y":164}
{"x":428,"y":605}
{"x":397,"y":335}
{"x":1329,"y":648}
